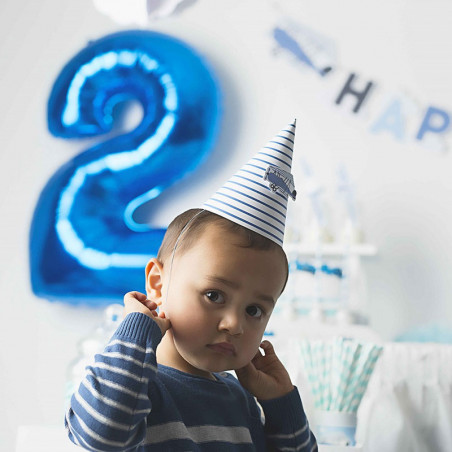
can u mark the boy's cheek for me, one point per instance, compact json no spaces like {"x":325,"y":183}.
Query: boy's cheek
{"x":190,"y":326}
{"x":246,"y":358}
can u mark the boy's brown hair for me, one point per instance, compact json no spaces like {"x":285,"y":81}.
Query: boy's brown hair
{"x":196,"y":220}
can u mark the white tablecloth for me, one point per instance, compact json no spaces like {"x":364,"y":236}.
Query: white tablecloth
{"x":53,"y":438}
{"x":408,"y":404}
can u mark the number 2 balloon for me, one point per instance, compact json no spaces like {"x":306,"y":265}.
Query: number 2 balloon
{"x":84,"y":244}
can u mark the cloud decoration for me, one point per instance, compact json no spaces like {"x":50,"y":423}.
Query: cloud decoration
{"x":137,"y":12}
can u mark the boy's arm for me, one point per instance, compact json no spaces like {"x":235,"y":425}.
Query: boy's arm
{"x":286,"y":425}
{"x":109,"y":410}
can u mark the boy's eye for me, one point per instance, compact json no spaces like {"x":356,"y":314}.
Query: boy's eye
{"x":214,"y":296}
{"x":254,"y":311}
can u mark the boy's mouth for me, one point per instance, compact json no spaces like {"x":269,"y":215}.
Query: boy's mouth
{"x":223,"y":347}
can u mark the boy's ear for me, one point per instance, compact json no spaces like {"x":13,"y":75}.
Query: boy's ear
{"x":154,"y":280}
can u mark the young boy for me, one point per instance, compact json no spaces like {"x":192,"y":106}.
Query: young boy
{"x":160,"y":384}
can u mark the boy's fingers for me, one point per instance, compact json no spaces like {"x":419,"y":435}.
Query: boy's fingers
{"x":267,"y":347}
{"x":257,"y":356}
{"x":245,"y":372}
{"x":150,"y":304}
{"x":137,"y":295}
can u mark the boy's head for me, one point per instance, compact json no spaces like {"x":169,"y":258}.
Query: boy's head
{"x":195,"y":221}
{"x":218,"y":292}
{"x":221,"y":268}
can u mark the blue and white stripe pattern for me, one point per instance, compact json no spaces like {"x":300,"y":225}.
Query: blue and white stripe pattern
{"x":246,"y":197}
{"x":127,"y":402}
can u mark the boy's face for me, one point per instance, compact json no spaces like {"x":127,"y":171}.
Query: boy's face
{"x":219,"y":302}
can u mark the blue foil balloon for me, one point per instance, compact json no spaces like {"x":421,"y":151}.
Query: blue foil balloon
{"x":84,"y":244}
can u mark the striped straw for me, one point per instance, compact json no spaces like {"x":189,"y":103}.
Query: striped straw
{"x":338,"y":371}
{"x":310,"y":370}
{"x":371,"y":361}
{"x":351,"y":358}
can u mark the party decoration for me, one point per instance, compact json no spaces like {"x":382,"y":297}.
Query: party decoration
{"x":338,"y":372}
{"x":288,"y":42}
{"x":440,"y":333}
{"x":256,"y":196}
{"x":139,"y":12}
{"x":85,"y":245}
{"x":395,"y":114}
{"x":88,"y":346}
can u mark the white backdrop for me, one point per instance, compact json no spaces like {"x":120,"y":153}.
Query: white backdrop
{"x":403,"y":188}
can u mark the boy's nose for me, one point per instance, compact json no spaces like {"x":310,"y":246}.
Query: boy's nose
{"x":231,"y":323}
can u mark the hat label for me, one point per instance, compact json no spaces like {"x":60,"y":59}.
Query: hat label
{"x":280,"y":180}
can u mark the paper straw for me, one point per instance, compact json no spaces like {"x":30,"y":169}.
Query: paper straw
{"x":351,"y":369}
{"x":338,"y":371}
{"x":374,"y":354}
{"x":355,"y":376}
{"x":307,"y":356}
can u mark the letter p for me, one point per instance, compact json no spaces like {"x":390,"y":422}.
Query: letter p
{"x":435,"y":121}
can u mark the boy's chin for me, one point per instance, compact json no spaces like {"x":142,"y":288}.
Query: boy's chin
{"x":220,"y":365}
{"x":216,"y":369}
{"x":223,"y":368}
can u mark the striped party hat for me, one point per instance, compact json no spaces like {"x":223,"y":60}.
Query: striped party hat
{"x":256,"y":196}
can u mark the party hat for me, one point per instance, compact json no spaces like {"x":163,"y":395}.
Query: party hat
{"x":256,"y":196}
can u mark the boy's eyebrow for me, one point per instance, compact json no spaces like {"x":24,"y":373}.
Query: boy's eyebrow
{"x":226,"y":282}
{"x":234,"y":285}
{"x":267,"y":298}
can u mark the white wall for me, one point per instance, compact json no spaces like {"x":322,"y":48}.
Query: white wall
{"x":404,"y":189}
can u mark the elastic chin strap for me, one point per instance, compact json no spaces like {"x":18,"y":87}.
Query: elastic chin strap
{"x":175,"y":247}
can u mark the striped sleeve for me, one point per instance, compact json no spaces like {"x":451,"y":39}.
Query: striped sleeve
{"x":109,"y":410}
{"x":286,"y":426}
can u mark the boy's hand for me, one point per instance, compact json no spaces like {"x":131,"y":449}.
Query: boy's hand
{"x":138,"y":302}
{"x":265,"y":376}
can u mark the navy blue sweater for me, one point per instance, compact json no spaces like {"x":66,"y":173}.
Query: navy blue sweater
{"x":128,"y":402}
